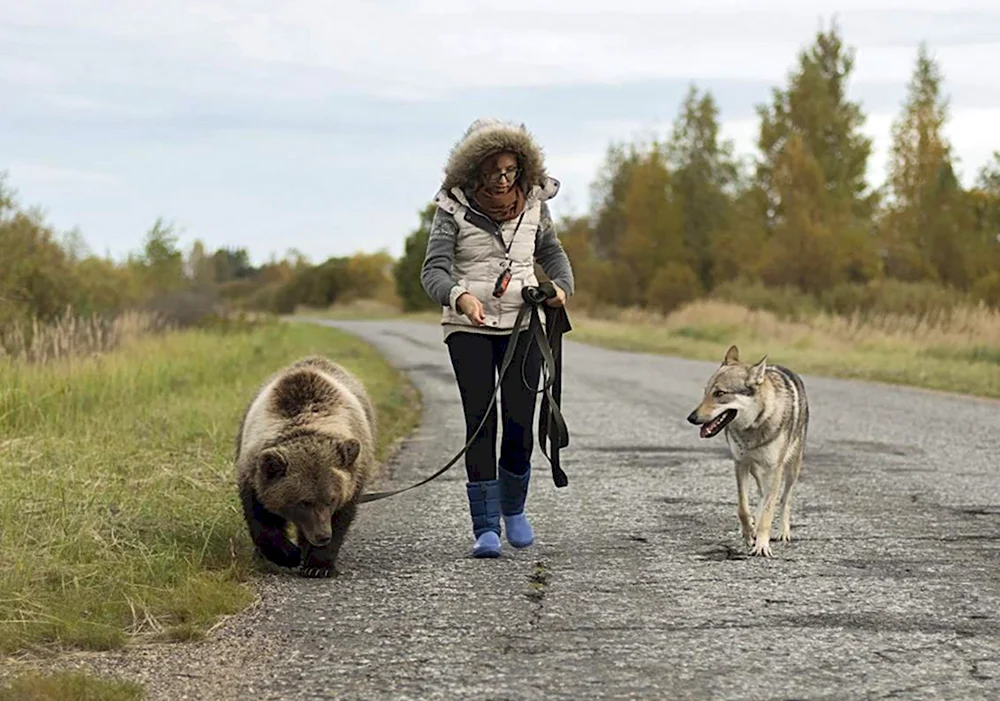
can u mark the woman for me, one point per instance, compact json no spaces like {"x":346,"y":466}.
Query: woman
{"x":491,"y":226}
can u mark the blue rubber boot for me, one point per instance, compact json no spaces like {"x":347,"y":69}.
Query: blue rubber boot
{"x":484,"y":506}
{"x":513,"y":493}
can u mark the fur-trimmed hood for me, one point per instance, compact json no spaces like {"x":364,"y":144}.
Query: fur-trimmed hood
{"x":486,"y":136}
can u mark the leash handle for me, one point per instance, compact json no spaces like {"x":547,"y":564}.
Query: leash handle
{"x":536,"y":295}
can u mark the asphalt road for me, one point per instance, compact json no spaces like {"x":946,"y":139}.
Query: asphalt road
{"x":638,"y":585}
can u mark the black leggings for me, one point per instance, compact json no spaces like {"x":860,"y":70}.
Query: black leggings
{"x":476,"y":358}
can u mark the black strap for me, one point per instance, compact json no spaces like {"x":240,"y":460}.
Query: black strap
{"x":550,"y":420}
{"x":551,"y":424}
{"x":512,"y":236}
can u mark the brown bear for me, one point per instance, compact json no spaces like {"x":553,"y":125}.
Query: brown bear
{"x":304,"y":453}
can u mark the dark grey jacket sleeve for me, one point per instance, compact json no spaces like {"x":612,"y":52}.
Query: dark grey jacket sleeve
{"x":435,"y":275}
{"x":550,"y":254}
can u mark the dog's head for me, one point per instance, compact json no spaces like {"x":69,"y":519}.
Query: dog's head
{"x":732,"y":390}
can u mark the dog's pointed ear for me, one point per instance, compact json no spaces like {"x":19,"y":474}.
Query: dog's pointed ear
{"x":273,"y":465}
{"x":732,"y":356}
{"x":349,"y":451}
{"x":757,"y":372}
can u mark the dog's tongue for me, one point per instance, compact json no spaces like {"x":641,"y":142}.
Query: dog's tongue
{"x":705,"y":428}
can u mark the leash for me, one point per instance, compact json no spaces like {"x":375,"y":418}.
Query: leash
{"x":551,"y":426}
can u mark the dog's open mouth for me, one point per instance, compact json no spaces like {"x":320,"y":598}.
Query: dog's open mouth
{"x":718,"y":423}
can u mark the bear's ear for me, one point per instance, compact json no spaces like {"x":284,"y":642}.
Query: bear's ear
{"x":349,"y":451}
{"x":272,"y":465}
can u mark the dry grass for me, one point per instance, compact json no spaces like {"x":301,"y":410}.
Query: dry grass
{"x":73,"y":336}
{"x":961,"y":326}
{"x":367,"y":309}
{"x":957,"y":350}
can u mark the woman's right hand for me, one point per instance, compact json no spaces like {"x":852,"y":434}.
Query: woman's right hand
{"x":469,"y":305}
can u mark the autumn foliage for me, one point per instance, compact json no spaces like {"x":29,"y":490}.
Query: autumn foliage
{"x":682,"y":219}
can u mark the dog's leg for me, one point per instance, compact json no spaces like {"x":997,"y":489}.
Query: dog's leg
{"x":743,"y":507}
{"x":762,"y":545}
{"x":786,"y":497}
{"x":755,"y":471}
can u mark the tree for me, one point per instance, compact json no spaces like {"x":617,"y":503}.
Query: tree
{"x":804,"y":250}
{"x":232,"y":264}
{"x":75,"y":246}
{"x":810,"y":175}
{"x":737,"y":249}
{"x":105,"y":287}
{"x":651,"y":229}
{"x":638,"y":223}
{"x":407,"y":269}
{"x":161,"y":262}
{"x":576,"y":236}
{"x":704,"y":176}
{"x":984,"y":201}
{"x":989,"y":175}
{"x":36,"y":275}
{"x":816,"y":108}
{"x":7,"y":195}
{"x":370,"y":276}
{"x":200,"y":267}
{"x":608,"y":195}
{"x":925,"y":234}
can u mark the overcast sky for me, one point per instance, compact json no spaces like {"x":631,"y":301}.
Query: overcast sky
{"x":323,"y":125}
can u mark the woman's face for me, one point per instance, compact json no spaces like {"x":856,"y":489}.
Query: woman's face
{"x":500,"y":172}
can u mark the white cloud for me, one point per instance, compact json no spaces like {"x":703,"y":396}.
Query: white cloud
{"x":17,"y":71}
{"x":246,"y":118}
{"x":390,"y":47}
{"x":35,"y":173}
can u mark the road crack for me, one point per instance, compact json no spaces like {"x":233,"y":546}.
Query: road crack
{"x":538,"y":583}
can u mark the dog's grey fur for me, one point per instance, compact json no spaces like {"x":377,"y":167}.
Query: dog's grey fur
{"x":766,"y":438}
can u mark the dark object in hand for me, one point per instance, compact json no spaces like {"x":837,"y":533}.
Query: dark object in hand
{"x":537,"y":295}
{"x":500,"y":286}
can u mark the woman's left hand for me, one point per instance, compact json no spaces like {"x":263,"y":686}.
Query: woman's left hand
{"x":560,"y":298}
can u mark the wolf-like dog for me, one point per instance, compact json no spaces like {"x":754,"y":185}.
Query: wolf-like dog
{"x":765,"y":415}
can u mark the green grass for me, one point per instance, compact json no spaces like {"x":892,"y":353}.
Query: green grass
{"x":974,"y":354}
{"x":70,"y":686}
{"x":118,"y":510}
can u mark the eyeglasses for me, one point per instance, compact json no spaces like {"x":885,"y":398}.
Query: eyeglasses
{"x":510,"y":175}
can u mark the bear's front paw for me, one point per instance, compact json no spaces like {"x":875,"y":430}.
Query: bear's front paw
{"x":317,"y":563}
{"x":316,"y":572}
{"x":287,"y":558}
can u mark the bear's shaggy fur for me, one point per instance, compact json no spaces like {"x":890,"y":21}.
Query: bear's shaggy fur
{"x":304,"y":452}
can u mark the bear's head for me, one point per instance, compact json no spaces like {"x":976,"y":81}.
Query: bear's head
{"x":305,"y":480}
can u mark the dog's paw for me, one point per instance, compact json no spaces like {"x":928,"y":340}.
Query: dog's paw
{"x":762,"y":548}
{"x":786,"y":534}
